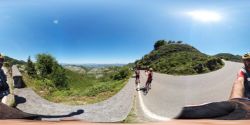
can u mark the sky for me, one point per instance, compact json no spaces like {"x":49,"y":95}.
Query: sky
{"x":112,"y":31}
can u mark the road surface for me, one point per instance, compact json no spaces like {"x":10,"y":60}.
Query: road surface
{"x":170,"y":93}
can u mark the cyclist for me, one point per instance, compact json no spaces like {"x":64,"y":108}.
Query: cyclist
{"x":241,"y":86}
{"x":149,"y":79}
{"x":137,"y":76}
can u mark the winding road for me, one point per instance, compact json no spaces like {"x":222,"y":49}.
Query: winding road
{"x":170,"y":93}
{"x":164,"y":101}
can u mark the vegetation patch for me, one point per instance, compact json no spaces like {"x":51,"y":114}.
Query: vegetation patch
{"x":57,"y":84}
{"x":178,"y":59}
{"x":229,"y":57}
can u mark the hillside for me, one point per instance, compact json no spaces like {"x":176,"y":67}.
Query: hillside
{"x":178,"y":59}
{"x":72,"y":84}
{"x":230,"y":57}
{"x":75,"y":68}
{"x":13,"y":61}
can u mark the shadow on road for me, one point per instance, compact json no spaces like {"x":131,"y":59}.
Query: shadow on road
{"x":143,"y":89}
{"x":19,"y":100}
{"x":17,"y":114}
{"x":78,"y":112}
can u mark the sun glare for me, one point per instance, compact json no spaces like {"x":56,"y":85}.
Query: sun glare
{"x":205,"y":16}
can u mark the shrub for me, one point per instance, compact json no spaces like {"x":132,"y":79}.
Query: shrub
{"x":159,"y":43}
{"x":123,"y":73}
{"x":96,"y":89}
{"x":58,"y":77}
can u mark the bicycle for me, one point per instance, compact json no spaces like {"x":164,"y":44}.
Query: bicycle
{"x":137,"y":80}
{"x":148,"y":86}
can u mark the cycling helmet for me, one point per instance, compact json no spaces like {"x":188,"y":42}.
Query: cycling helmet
{"x":150,"y":69}
{"x":246,"y":56}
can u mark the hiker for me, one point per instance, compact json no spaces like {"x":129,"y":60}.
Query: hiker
{"x":241,"y":86}
{"x":4,"y":87}
{"x":137,"y":75}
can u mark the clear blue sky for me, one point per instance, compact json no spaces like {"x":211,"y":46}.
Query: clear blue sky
{"x":120,"y":31}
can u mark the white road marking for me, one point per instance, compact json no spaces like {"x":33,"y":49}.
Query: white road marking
{"x":148,"y":112}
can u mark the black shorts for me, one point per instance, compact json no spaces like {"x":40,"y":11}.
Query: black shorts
{"x":149,"y":80}
{"x":137,"y":77}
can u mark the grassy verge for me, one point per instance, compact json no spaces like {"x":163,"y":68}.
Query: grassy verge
{"x":132,"y":117}
{"x":83,"y":89}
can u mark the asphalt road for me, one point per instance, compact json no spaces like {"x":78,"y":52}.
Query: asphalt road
{"x":170,"y":93}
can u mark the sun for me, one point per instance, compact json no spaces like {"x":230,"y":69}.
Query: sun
{"x":205,"y":16}
{"x":55,"y":21}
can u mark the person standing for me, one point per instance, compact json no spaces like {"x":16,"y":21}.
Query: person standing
{"x":4,"y":87}
{"x":241,"y":86}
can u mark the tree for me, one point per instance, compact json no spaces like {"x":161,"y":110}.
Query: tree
{"x":49,"y":69}
{"x":58,"y":77}
{"x":179,"y":42}
{"x":123,"y":73}
{"x":30,"y":68}
{"x":159,"y":43}
{"x":44,"y":64}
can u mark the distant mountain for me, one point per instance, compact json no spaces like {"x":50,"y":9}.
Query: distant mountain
{"x":93,"y":65}
{"x":77,"y":69}
{"x":89,"y":68}
{"x":102,"y":65}
{"x":179,"y":59}
{"x":230,"y":57}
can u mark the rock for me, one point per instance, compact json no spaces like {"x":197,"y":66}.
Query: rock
{"x":9,"y":100}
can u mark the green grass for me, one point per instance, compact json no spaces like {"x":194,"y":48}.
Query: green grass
{"x":132,"y":116}
{"x":83,"y":88}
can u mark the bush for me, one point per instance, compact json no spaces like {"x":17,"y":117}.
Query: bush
{"x":212,"y":63}
{"x":58,"y":77}
{"x":123,"y":73}
{"x":159,"y":43}
{"x":96,"y":89}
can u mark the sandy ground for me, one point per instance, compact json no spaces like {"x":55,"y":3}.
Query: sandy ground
{"x":172,"y":122}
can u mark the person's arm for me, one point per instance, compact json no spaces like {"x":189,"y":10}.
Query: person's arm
{"x":238,"y":88}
